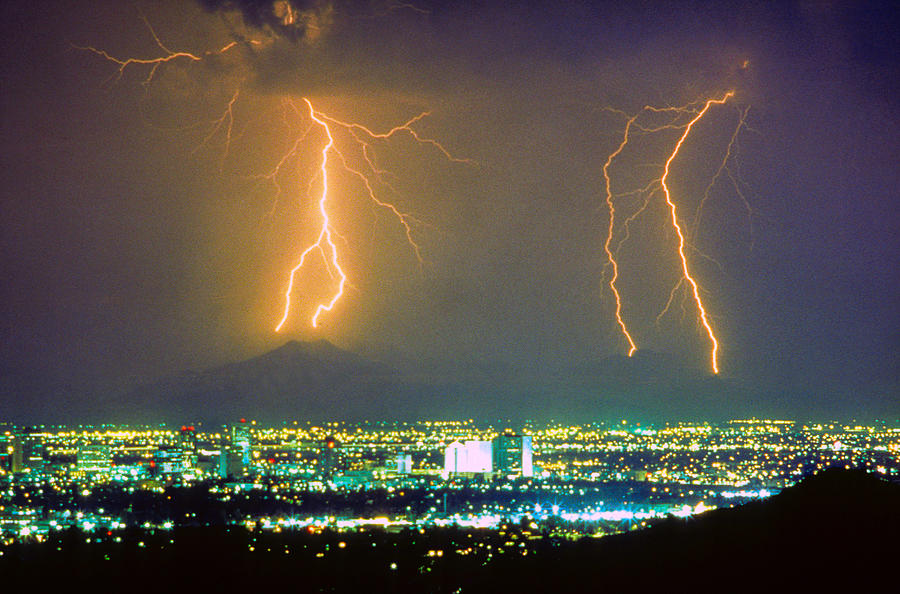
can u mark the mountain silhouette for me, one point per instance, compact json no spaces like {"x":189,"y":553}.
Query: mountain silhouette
{"x":319,"y":381}
{"x":296,"y":380}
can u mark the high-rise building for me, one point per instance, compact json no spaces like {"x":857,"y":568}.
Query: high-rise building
{"x":28,"y":451}
{"x":230,"y":464}
{"x":6,"y":453}
{"x":330,"y":458}
{"x":93,"y":458}
{"x":241,"y":441}
{"x":470,"y":457}
{"x":404,"y":463}
{"x":512,"y":454}
{"x":187,"y":441}
{"x":16,"y":452}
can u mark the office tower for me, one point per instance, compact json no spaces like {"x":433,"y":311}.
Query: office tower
{"x":241,"y":441}
{"x":28,"y":451}
{"x":404,"y":463}
{"x":6,"y":453}
{"x":468,"y":458}
{"x":187,"y":441}
{"x":512,"y":454}
{"x":330,"y":458}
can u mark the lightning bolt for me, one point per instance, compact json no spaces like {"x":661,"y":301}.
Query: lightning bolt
{"x":632,"y":347}
{"x":682,"y":119}
{"x":723,"y":167}
{"x":611,"y":255}
{"x":155,"y":63}
{"x":363,"y":139}
{"x":227,"y":116}
{"x":324,"y":235}
{"x":684,"y":264}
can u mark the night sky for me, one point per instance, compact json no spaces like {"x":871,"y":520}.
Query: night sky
{"x":136,"y":244}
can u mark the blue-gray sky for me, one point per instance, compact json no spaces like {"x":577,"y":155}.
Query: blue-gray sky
{"x":132,"y":249}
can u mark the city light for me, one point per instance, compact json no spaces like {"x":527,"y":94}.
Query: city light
{"x":602,"y":477}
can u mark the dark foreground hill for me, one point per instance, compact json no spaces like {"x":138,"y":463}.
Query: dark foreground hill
{"x":835,"y":532}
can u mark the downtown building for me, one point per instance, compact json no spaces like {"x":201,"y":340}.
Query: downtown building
{"x":508,"y":455}
{"x":511,"y":454}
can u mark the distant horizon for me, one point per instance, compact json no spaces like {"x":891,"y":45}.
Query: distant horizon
{"x":499,"y":424}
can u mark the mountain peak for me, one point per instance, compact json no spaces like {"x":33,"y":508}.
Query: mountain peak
{"x":297,"y":379}
{"x":312,"y":346}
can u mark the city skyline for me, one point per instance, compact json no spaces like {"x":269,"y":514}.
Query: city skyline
{"x":411,"y":498}
{"x":593,"y":472}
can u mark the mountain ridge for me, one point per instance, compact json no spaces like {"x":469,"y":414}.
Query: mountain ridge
{"x":298,"y":376}
{"x":319,"y":381}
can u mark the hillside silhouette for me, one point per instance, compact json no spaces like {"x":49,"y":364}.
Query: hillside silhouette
{"x":837,"y":529}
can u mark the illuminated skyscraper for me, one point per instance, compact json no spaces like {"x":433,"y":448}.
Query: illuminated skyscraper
{"x":470,"y":457}
{"x":241,"y":440}
{"x":28,"y":451}
{"x":512,"y":454}
{"x":6,"y":453}
{"x":187,"y":440}
{"x":330,"y":458}
{"x":403,"y":463}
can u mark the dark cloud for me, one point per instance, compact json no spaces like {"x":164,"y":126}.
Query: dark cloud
{"x":287,"y":18}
